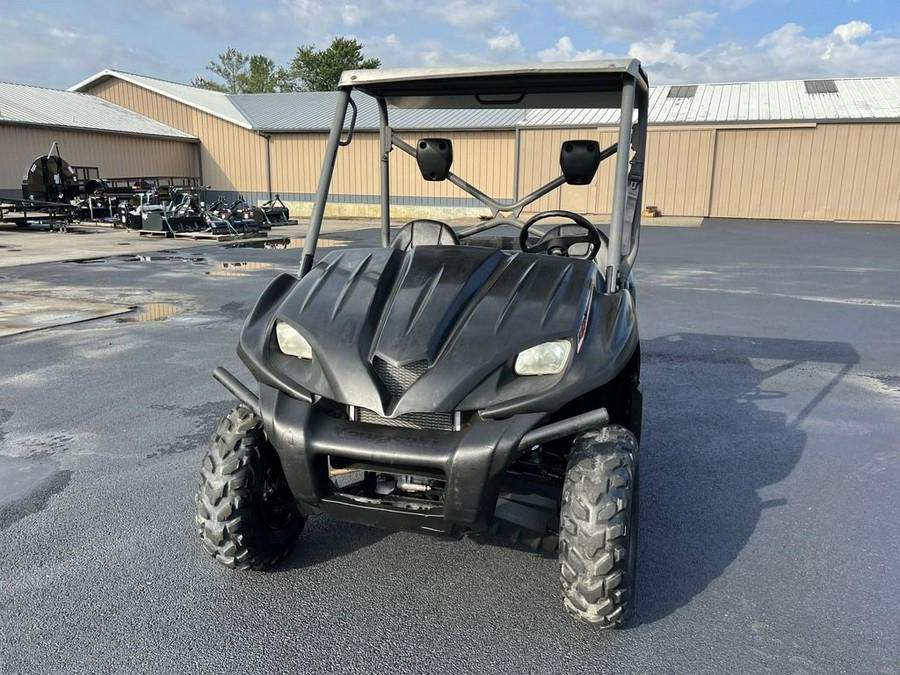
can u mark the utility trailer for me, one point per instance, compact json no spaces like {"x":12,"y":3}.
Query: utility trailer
{"x":25,"y":212}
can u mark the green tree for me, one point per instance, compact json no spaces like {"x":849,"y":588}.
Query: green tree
{"x":231,"y":65}
{"x":245,"y":74}
{"x":203,"y":83}
{"x":262,"y":76}
{"x":320,"y":70}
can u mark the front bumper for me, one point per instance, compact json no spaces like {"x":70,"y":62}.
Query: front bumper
{"x":471,"y":461}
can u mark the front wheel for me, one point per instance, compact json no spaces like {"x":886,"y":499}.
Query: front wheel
{"x":598,"y":527}
{"x":246,"y":515}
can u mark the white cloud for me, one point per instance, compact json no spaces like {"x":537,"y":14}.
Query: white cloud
{"x":212,"y":19}
{"x":854,"y":30}
{"x":314,"y":17}
{"x":652,"y":53}
{"x":394,"y":52}
{"x":353,"y":15}
{"x":692,"y":24}
{"x":67,"y":36}
{"x":504,"y":40}
{"x":786,"y":53}
{"x":41,"y":49}
{"x":627,"y":20}
{"x":564,"y":50}
{"x":468,"y":14}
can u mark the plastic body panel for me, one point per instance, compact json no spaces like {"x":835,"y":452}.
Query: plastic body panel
{"x":472,"y":460}
{"x":467,"y":311}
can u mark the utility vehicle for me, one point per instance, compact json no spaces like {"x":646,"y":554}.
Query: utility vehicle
{"x":451,"y":381}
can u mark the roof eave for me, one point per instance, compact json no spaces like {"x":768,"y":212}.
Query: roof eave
{"x":115,"y":132}
{"x":106,"y":73}
{"x":93,"y":79}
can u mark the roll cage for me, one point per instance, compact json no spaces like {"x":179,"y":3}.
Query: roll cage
{"x":587,"y":84}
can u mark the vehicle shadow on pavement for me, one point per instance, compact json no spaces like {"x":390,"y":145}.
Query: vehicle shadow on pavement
{"x":325,"y":539}
{"x":716,"y":432}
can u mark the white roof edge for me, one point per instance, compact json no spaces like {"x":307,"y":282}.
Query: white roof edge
{"x":791,"y":81}
{"x":106,"y":72}
{"x":361,"y":78}
{"x":186,"y":138}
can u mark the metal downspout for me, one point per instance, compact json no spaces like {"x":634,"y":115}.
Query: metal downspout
{"x":199,"y":146}
{"x":268,"y":138}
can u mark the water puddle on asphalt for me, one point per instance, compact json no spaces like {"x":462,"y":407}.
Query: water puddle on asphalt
{"x":238,"y":269}
{"x":155,"y":311}
{"x":288,"y":242}
{"x":193,"y":259}
{"x":26,"y":312}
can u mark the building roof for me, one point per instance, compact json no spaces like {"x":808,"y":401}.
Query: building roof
{"x":869,"y":98}
{"x":303,"y":111}
{"x":23,"y":104}
{"x":314,"y":111}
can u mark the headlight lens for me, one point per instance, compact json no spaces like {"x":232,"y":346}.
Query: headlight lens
{"x":291,"y":342}
{"x":548,"y":358}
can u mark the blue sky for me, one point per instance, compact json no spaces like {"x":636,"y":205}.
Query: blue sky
{"x":57,"y":44}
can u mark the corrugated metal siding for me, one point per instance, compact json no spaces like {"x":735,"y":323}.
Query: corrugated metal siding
{"x":297,"y":161}
{"x":233,"y":157}
{"x":539,"y":164}
{"x":679,"y":165}
{"x":829,"y":172}
{"x":485,"y":158}
{"x":832,"y":171}
{"x":115,"y":155}
{"x":679,"y":171}
{"x":214,"y":102}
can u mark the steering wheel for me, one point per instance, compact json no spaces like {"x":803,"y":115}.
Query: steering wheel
{"x":558,"y":244}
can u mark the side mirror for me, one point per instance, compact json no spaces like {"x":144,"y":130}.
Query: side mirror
{"x":579,"y":161}
{"x":434,"y":157}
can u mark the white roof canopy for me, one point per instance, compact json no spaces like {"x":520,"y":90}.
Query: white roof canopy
{"x":570,"y":84}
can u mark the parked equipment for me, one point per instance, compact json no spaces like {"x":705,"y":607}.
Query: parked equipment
{"x":276,"y":213}
{"x":50,"y":179}
{"x":447,"y":382}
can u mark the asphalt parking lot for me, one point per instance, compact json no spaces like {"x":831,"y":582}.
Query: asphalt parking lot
{"x":770,"y":537}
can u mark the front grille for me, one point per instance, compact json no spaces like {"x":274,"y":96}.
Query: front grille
{"x":397,"y":379}
{"x":433,"y":421}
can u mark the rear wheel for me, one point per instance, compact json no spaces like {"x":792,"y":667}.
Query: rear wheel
{"x":598,"y":527}
{"x":246,"y":515}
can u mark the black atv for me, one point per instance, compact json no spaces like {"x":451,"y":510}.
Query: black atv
{"x":453,"y":382}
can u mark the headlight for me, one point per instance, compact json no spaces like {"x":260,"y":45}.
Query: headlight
{"x":545,"y":359}
{"x":291,"y":342}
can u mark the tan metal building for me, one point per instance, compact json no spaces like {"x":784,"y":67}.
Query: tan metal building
{"x":794,"y":150}
{"x":798,"y":150}
{"x":90,"y":132}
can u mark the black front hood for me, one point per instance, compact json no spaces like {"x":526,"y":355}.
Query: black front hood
{"x":436,"y":328}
